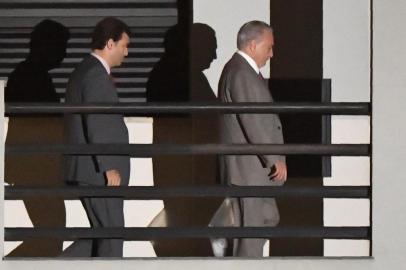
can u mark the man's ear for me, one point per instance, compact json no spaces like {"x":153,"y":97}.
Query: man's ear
{"x":252,"y":45}
{"x":110,"y":43}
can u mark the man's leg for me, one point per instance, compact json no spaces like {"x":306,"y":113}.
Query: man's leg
{"x":256,"y":212}
{"x":79,"y":248}
{"x":102,"y":213}
{"x":83,"y":247}
{"x":107,"y":213}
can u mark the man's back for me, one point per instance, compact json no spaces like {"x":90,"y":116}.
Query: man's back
{"x":90,"y":83}
{"x":240,"y":83}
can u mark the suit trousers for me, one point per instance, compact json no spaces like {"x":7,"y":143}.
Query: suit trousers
{"x":255,"y":212}
{"x":102,"y":213}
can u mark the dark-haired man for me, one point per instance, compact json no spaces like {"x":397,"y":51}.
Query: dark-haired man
{"x":91,"y":83}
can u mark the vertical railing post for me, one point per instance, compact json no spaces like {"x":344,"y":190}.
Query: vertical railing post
{"x":2,"y":142}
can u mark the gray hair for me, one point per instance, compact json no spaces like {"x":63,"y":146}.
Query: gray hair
{"x":250,"y":31}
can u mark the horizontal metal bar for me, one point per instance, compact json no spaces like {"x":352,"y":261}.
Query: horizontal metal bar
{"x":23,"y":2}
{"x":148,"y":150}
{"x":345,"y":108}
{"x":82,"y":12}
{"x":86,"y":5}
{"x":154,"y":193}
{"x":90,"y":21}
{"x":20,"y":234}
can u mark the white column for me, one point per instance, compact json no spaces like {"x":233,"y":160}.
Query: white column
{"x":346,"y":60}
{"x":2,"y":85}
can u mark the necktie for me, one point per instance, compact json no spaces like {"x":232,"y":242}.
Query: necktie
{"x":260,"y":75}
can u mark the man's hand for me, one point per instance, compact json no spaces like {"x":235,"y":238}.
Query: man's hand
{"x":113,"y":178}
{"x":280,"y":173}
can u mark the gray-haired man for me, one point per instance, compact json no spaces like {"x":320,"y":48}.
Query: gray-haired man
{"x":241,"y":81}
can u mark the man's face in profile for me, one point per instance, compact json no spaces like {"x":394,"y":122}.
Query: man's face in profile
{"x":120,"y":50}
{"x":263,"y":48}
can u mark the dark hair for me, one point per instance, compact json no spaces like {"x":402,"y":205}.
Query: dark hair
{"x":252,"y":30}
{"x":108,"y":28}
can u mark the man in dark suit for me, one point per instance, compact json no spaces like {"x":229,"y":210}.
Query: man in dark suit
{"x":241,"y":81}
{"x":91,"y":83}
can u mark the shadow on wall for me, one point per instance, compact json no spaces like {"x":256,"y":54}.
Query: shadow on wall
{"x":31,"y":82}
{"x":178,"y":77}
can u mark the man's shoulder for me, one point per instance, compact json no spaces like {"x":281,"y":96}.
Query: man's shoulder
{"x":235,"y":62}
{"x":237,"y":66}
{"x":89,"y":68}
{"x":90,"y":63}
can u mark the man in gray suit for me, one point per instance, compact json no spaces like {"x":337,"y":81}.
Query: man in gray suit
{"x":241,"y":81}
{"x":91,"y":83}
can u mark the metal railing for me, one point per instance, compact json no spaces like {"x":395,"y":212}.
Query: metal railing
{"x":152,"y":193}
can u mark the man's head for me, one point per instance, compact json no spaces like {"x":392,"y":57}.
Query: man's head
{"x":255,"y":38}
{"x":110,"y":40}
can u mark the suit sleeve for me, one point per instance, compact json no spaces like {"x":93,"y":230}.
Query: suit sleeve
{"x":258,"y":128}
{"x":100,"y":127}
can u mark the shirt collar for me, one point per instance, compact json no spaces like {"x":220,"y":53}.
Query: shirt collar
{"x":250,"y":61}
{"x":103,"y":62}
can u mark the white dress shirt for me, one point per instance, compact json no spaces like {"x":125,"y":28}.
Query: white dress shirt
{"x":249,"y":60}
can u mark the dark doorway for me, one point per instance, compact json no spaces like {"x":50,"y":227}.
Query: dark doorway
{"x":296,"y":72}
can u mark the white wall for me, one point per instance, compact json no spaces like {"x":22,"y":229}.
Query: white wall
{"x":389,"y":132}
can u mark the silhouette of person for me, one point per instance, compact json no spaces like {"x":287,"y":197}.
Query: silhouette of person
{"x":169,"y":79}
{"x":203,"y":46}
{"x":31,"y":82}
{"x":179,"y":77}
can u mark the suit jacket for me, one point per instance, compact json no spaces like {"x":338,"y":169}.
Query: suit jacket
{"x":240,"y":83}
{"x":90,"y":83}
